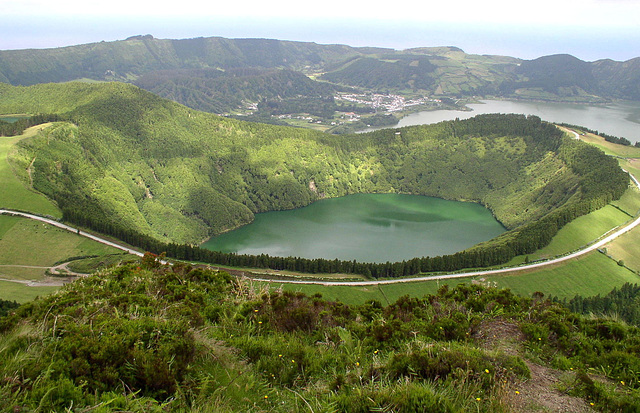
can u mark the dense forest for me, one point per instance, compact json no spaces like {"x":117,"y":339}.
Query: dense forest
{"x":218,"y":91}
{"x":393,"y":72}
{"x":130,"y":163}
{"x":148,"y":337}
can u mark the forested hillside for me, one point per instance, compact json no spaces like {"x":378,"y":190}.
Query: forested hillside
{"x":128,"y":159}
{"x":127,"y":59}
{"x":218,"y":91}
{"x":571,"y":78}
{"x":189,"y":70}
{"x":145,"y":337}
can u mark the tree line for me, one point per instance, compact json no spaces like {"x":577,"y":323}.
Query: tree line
{"x":19,"y":126}
{"x":623,"y":302}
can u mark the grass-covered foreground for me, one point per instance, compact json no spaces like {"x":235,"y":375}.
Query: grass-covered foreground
{"x":146,"y":337}
{"x":15,"y":194}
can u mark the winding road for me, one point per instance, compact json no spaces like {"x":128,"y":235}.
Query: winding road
{"x":586,"y":250}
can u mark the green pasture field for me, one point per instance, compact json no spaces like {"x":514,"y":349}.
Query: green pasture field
{"x":630,"y":201}
{"x":590,"y":275}
{"x":609,"y":148}
{"x":22,"y":273}
{"x":632,"y":166}
{"x":625,"y":248}
{"x":343,"y":293}
{"x":26,"y":242}
{"x":14,"y":194}
{"x":21,"y":293}
{"x":30,"y":242}
{"x":578,"y":233}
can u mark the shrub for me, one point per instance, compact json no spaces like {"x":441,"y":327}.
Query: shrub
{"x":407,"y":398}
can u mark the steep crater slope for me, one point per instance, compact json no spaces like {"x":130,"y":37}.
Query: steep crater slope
{"x":126,"y":158}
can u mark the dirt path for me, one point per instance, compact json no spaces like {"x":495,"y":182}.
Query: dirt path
{"x":63,"y":269}
{"x":540,"y":393}
{"x":61,"y":275}
{"x":29,"y":172}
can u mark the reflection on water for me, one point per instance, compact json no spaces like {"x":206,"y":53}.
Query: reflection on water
{"x":620,"y":119}
{"x":365,"y":227}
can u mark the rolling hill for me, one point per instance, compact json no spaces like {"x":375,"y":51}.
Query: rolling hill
{"x":128,"y":59}
{"x":126,"y":158}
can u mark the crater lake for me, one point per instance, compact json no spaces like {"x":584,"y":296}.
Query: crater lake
{"x":365,"y":228}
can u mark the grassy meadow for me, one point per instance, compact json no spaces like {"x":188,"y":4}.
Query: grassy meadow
{"x":29,"y":248}
{"x":611,"y":148}
{"x":21,"y":293}
{"x":589,"y":275}
{"x":15,"y":194}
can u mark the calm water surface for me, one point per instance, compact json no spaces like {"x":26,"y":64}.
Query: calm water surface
{"x":11,"y":119}
{"x":364,"y":227}
{"x":620,"y":119}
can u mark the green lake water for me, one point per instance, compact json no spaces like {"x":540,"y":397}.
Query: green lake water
{"x":11,"y":119}
{"x":366,"y":228}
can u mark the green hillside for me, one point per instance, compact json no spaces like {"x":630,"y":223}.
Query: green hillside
{"x":125,"y":60}
{"x":564,"y":77}
{"x":131,"y":160}
{"x":441,"y":71}
{"x":218,"y":91}
{"x":150,"y":338}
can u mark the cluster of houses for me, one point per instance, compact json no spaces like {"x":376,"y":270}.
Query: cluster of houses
{"x":386,"y":102}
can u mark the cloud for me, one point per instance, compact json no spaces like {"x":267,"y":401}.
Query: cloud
{"x":542,"y":12}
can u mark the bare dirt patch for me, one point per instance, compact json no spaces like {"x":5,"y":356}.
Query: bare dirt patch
{"x":499,"y":335}
{"x":540,"y":393}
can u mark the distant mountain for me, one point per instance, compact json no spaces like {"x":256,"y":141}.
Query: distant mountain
{"x":207,"y":73}
{"x":620,"y":80}
{"x":390,"y":72}
{"x":566,"y":76}
{"x":128,"y":59}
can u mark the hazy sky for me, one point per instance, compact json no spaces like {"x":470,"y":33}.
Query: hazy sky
{"x":588,"y":29}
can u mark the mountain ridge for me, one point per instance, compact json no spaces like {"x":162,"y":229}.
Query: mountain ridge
{"x":455,"y":73}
